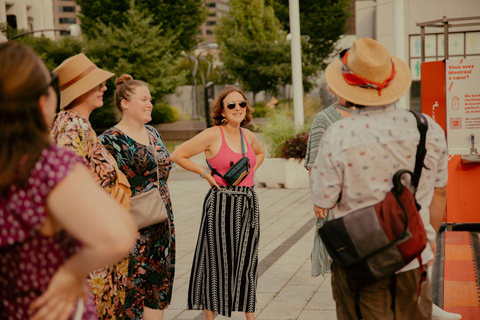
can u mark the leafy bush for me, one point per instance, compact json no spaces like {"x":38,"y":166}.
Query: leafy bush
{"x":277,"y":131}
{"x":163,"y":113}
{"x":295,"y":147}
{"x":260,"y":112}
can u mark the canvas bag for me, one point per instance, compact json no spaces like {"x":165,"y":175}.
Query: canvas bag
{"x":238,"y":171}
{"x":373,"y":243}
{"x":148,"y":208}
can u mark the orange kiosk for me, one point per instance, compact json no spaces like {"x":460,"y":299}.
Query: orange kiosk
{"x":450,"y":94}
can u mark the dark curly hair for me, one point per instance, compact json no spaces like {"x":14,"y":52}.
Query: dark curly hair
{"x":217,"y":106}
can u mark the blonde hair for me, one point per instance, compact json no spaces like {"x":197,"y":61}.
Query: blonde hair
{"x":126,"y":86}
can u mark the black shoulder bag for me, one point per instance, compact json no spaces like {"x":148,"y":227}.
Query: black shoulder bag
{"x":373,"y":243}
{"x":238,"y":170}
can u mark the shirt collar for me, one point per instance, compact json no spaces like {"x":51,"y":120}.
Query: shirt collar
{"x":376,"y":109}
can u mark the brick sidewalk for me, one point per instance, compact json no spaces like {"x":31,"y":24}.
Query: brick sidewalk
{"x":286,"y":290}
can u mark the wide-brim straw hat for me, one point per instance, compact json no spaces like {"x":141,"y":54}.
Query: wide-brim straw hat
{"x":370,"y":60}
{"x":76,"y":76}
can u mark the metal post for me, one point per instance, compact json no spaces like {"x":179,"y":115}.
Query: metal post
{"x":205,"y":89}
{"x":422,"y":43}
{"x":399,"y":38}
{"x":209,"y":94}
{"x":296,"y":62}
{"x":193,"y":69}
{"x":445,"y":38}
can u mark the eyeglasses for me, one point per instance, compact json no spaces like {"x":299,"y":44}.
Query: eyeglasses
{"x":101,"y":85}
{"x":53,"y":82}
{"x":231,"y":105}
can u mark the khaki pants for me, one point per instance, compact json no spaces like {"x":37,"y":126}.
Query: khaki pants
{"x":376,"y":300}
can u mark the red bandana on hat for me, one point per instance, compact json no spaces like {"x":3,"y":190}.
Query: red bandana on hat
{"x":354,"y":79}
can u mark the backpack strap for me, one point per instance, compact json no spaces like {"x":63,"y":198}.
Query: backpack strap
{"x":422,"y":126}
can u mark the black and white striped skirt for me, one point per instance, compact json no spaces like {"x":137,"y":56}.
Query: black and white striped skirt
{"x":224,"y":271}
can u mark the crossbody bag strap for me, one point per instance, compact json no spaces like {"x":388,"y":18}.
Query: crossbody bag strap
{"x":214,"y":171}
{"x":154,"y":157}
{"x":422,"y":126}
{"x":241,"y":140}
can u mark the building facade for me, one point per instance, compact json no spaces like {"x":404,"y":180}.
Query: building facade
{"x":28,"y":15}
{"x":65,"y":13}
{"x":215,"y":9}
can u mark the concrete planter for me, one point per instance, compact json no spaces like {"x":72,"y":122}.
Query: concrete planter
{"x":282,"y":173}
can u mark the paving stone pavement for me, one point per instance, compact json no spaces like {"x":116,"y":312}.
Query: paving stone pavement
{"x":286,"y":289}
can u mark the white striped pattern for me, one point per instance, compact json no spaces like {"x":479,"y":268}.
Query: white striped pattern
{"x":224,"y":271}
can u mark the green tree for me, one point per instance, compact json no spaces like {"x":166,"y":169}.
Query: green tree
{"x":138,"y":48}
{"x":51,"y":52}
{"x":253,"y":46}
{"x":178,"y":19}
{"x":324,"y":21}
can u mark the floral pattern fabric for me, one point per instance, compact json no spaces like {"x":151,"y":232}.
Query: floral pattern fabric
{"x":74,"y":132}
{"x":152,"y":259}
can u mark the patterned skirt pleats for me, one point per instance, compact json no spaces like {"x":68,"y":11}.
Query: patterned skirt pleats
{"x":109,"y":286}
{"x":224,"y":271}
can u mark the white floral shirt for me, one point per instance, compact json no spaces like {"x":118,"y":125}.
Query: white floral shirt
{"x":359,"y":155}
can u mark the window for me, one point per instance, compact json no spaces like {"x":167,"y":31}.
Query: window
{"x":64,"y":32}
{"x":12,"y":20}
{"x":68,"y":20}
{"x":211,"y":23}
{"x":209,"y":32}
{"x":212,"y":14}
{"x":30,"y":24}
{"x":66,"y":9}
{"x":211,"y":5}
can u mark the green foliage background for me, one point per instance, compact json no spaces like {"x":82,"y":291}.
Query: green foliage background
{"x":178,"y":19}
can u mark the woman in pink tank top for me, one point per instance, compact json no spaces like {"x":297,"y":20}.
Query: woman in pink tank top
{"x":230,"y":225}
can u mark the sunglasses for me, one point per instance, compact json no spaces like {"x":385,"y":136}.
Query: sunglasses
{"x":53,"y":82}
{"x":231,"y":105}
{"x":101,"y":85}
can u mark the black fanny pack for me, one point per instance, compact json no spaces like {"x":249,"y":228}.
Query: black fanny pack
{"x":238,"y":170}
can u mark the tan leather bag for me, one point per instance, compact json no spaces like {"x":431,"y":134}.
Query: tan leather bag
{"x":148,"y":208}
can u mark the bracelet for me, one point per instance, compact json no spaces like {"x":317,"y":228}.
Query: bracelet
{"x":204,"y":173}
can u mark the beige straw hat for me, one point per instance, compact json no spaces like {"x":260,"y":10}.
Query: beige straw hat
{"x":371,"y":61}
{"x":78,"y":75}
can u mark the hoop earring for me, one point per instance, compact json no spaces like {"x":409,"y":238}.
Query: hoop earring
{"x":224,"y":121}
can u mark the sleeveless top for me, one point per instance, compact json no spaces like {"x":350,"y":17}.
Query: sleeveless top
{"x":28,"y":259}
{"x":225,"y":157}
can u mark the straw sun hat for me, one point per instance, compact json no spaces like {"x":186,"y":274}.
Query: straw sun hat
{"x":78,"y":75}
{"x":368,"y":68}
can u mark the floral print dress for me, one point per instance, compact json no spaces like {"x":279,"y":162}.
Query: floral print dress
{"x":152,"y":260}
{"x":74,"y":132}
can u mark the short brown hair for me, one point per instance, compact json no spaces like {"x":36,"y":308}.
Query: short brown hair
{"x":23,"y":130}
{"x":217,"y":107}
{"x":125,"y":87}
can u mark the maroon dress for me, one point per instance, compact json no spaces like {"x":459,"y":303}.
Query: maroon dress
{"x":28,"y":260}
